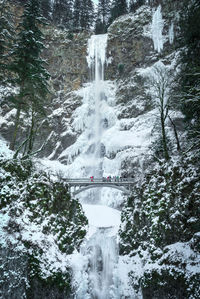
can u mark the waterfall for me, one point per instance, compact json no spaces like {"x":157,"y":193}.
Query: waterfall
{"x":100,"y":251}
{"x":98,"y":271}
{"x":96,"y":276}
{"x":96,"y":60}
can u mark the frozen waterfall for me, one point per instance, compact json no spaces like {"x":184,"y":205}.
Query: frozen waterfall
{"x":94,"y":278}
{"x":97,"y":271}
{"x":157,"y":28}
{"x":96,"y":61}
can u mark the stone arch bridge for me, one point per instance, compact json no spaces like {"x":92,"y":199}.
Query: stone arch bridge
{"x":78,"y":185}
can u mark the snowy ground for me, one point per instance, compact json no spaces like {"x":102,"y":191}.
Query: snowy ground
{"x":4,"y":150}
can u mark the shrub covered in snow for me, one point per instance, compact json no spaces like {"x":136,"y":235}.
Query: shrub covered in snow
{"x":160,"y":224}
{"x":41,"y":224}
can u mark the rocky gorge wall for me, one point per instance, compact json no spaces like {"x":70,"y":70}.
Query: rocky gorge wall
{"x":130,"y":51}
{"x":130,"y":47}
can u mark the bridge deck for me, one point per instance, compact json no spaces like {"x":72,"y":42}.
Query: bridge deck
{"x":83,"y":184}
{"x":99,"y":181}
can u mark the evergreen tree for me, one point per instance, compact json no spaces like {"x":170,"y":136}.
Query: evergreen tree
{"x":83,"y":14}
{"x":103,"y":16}
{"x":119,"y":7}
{"x":99,"y":28}
{"x":46,"y":8}
{"x":76,"y":14}
{"x":31,"y":76}
{"x":135,"y":4}
{"x":190,"y":69}
{"x":62,"y":13}
{"x":163,"y":210}
{"x":6,"y":38}
{"x":86,"y":14}
{"x":22,"y":1}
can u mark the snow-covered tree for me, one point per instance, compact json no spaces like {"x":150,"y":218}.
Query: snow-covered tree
{"x":135,"y":4}
{"x":118,"y":8}
{"x":31,"y":75}
{"x":46,"y":7}
{"x":83,"y":14}
{"x":49,"y":224}
{"x":159,"y":84}
{"x":87,"y":14}
{"x":159,"y":221}
{"x":189,"y":77}
{"x":62,"y":13}
{"x":103,"y":16}
{"x":76,"y":14}
{"x":6,"y":38}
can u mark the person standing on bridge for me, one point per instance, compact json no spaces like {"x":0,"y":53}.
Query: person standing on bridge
{"x":92,"y":179}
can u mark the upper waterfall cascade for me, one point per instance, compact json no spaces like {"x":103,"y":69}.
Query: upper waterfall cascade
{"x":96,"y":60}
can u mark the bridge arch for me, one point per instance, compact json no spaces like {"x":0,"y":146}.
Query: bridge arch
{"x":84,"y":188}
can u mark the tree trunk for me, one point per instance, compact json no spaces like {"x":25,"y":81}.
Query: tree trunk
{"x":14,"y":137}
{"x":164,"y":140}
{"x":176,"y":134}
{"x":31,"y":134}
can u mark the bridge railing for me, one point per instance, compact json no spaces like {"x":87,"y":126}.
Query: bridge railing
{"x":100,"y":180}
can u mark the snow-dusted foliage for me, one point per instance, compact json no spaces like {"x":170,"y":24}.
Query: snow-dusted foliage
{"x":159,"y":80}
{"x":159,"y":85}
{"x":160,"y":225}
{"x":40,"y":225}
{"x":6,"y":39}
{"x":105,"y":128}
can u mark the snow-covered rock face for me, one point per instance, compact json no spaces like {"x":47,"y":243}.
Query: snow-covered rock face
{"x":129,"y":43}
{"x":127,"y":113}
{"x":66,"y":62}
{"x":66,"y":56}
{"x":128,"y":116}
{"x":138,"y":40}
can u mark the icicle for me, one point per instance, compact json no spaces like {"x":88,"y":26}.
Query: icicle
{"x":157,"y":28}
{"x":171,"y":33}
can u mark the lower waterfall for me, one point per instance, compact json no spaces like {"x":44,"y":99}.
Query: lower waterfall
{"x":96,"y":275}
{"x":102,"y":252}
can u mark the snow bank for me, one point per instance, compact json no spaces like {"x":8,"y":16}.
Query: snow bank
{"x":4,"y":150}
{"x":102,"y":216}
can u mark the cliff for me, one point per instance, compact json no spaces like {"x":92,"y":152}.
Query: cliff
{"x":159,"y":233}
{"x":130,"y":48}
